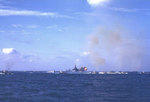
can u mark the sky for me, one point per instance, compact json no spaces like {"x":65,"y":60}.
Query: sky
{"x":103,"y":35}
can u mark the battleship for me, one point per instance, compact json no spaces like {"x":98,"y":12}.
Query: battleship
{"x":75,"y":70}
{"x":84,"y":70}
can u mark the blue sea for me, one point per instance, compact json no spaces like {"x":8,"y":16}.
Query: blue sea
{"x":45,"y":87}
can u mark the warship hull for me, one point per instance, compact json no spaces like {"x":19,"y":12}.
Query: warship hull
{"x":72,"y":72}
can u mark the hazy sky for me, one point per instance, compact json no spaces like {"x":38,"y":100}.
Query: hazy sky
{"x":55,"y":34}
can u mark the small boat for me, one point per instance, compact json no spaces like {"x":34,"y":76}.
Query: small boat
{"x":4,"y":72}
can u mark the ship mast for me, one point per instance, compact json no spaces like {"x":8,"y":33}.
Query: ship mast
{"x":75,"y":68}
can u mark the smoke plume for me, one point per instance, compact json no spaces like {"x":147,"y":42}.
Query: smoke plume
{"x":115,"y":48}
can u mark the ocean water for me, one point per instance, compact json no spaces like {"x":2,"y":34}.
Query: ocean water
{"x":44,"y":87}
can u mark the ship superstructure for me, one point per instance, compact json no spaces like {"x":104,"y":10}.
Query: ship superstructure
{"x":75,"y":70}
{"x":82,"y":69}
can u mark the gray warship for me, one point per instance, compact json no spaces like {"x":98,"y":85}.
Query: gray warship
{"x":75,"y":70}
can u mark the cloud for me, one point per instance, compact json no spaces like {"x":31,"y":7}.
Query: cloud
{"x":8,"y":51}
{"x":97,"y":2}
{"x":123,"y":9}
{"x":3,"y":4}
{"x":85,"y":53}
{"x":127,"y":9}
{"x":14,"y":54}
{"x":77,"y":60}
{"x":9,"y":57}
{"x":10,"y":12}
{"x":57,"y":28}
{"x":32,"y":26}
{"x":21,"y":36}
{"x":16,"y":25}
{"x":24,"y":26}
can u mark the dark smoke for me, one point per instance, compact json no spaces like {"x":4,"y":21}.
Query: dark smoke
{"x":117,"y":48}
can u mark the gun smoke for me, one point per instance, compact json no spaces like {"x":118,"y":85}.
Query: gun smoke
{"x":115,"y":48}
